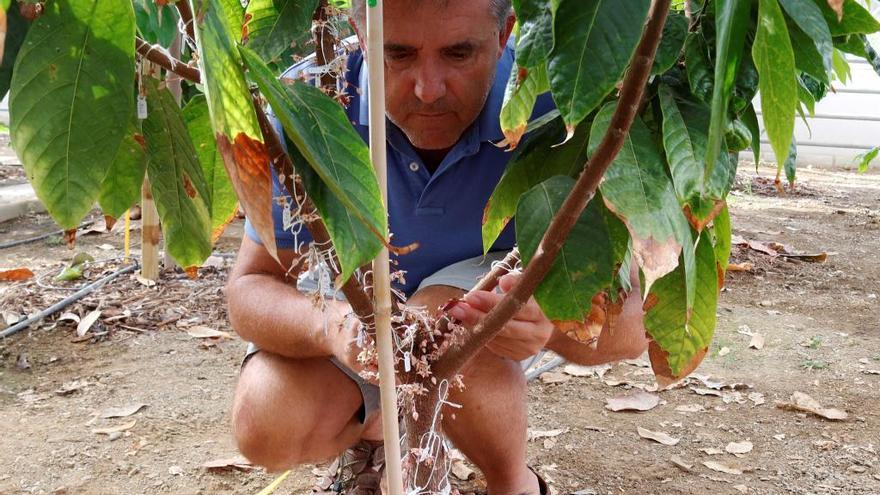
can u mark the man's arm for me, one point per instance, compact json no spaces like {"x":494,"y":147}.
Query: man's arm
{"x":266,"y":308}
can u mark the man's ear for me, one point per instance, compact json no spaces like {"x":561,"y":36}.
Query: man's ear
{"x":504,"y":35}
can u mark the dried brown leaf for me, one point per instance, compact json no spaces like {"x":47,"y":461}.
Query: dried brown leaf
{"x":203,"y":332}
{"x":657,"y":436}
{"x":757,"y":341}
{"x":739,"y":448}
{"x":123,"y":411}
{"x":721,"y":468}
{"x":554,"y":377}
{"x":804,"y":403}
{"x":86,"y":322}
{"x":115,"y":429}
{"x":837,"y":6}
{"x":638,"y":400}
{"x":16,"y":274}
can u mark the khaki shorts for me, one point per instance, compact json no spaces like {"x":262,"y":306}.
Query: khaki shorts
{"x":463,"y":275}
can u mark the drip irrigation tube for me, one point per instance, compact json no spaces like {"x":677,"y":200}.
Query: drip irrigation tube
{"x":66,"y":301}
{"x":40,"y":237}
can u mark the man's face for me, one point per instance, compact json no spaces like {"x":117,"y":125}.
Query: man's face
{"x":440,"y":60}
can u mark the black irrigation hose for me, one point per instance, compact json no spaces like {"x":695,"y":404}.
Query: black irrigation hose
{"x":66,"y":301}
{"x":40,"y":237}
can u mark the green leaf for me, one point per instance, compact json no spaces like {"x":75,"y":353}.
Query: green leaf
{"x":723,"y":232}
{"x":774,"y":59}
{"x":855,"y":44}
{"x":750,"y":119}
{"x":319,"y":128}
{"x":121,"y":187}
{"x":731,"y":20}
{"x":699,"y":69}
{"x":671,"y":43}
{"x":534,"y":162}
{"x":275,"y":25}
{"x":746,"y":86}
{"x":523,"y":88}
{"x":806,"y":57}
{"x":71,"y":97}
{"x":681,"y":329}
{"x":866,"y":158}
{"x":871,"y":54}
{"x":790,"y":165}
{"x":235,"y":125}
{"x":808,"y":16}
{"x":16,"y":30}
{"x":584,"y":266}
{"x":686,"y":143}
{"x":841,"y":66}
{"x":4,"y":4}
{"x":593,"y":43}
{"x":176,"y":179}
{"x":157,"y":25}
{"x":535,"y":38}
{"x":856,"y":20}
{"x":221,"y":195}
{"x":637,"y":189}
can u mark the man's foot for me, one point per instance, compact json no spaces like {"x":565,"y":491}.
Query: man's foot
{"x":357,"y":471}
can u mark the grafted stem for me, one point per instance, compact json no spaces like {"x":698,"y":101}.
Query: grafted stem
{"x":161,"y":57}
{"x":584,"y":189}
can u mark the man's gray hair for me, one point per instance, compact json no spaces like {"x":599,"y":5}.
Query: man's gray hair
{"x":501,"y":9}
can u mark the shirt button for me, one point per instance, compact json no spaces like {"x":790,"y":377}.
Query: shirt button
{"x":414,"y":166}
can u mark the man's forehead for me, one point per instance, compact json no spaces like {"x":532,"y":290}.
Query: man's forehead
{"x":439,"y":23}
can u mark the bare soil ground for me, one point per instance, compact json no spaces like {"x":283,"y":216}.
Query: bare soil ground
{"x":819,"y":322}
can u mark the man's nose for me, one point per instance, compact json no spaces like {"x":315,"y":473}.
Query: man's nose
{"x":430,"y":84}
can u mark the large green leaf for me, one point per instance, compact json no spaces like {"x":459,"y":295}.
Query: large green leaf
{"x":584,"y":265}
{"x":176,"y":179}
{"x":750,"y":119}
{"x":731,"y":20}
{"x":535,"y":37}
{"x":637,"y":189}
{"x":71,"y":97}
{"x":807,"y":57}
{"x":523,"y":88}
{"x":221,"y":194}
{"x":699,"y":69}
{"x":790,"y":165}
{"x":319,"y":128}
{"x":683,"y":330}
{"x":593,"y":41}
{"x":16,"y":30}
{"x":233,"y":119}
{"x":723,"y":238}
{"x":121,"y":187}
{"x":774,"y":59}
{"x":685,"y":122}
{"x":808,"y":16}
{"x":274,"y":25}
{"x":535,"y":161}
{"x":841,"y":66}
{"x":856,"y":19}
{"x":671,"y":43}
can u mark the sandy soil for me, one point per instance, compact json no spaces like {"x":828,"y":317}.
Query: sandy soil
{"x":819,"y":322}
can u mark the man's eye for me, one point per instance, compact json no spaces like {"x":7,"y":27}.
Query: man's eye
{"x":459,"y":55}
{"x":397,"y":56}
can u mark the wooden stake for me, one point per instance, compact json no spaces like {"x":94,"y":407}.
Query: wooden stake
{"x":150,"y":234}
{"x":381,"y":267}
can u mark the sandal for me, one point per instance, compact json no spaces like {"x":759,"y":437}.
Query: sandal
{"x":357,"y":471}
{"x":542,"y":485}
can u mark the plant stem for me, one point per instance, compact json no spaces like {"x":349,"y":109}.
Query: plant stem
{"x":354,"y":292}
{"x":325,"y":45}
{"x":583,"y":191}
{"x":186,"y":15}
{"x":160,"y":56}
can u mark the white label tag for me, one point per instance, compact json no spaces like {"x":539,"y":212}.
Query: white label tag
{"x":142,"y":107}
{"x":407,"y":365}
{"x":360,"y":339}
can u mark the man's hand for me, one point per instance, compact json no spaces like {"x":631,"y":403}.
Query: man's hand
{"x":522,"y":337}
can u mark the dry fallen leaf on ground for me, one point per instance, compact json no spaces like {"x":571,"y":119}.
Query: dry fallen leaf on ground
{"x":121,"y":412}
{"x":757,"y":341}
{"x":580,"y":371}
{"x":686,"y":408}
{"x":536,"y":434}
{"x":739,"y":448}
{"x":757,"y":398}
{"x":804,"y":403}
{"x":555,"y":377}
{"x":87,"y":321}
{"x":461,"y":470}
{"x":721,"y":468}
{"x":203,"y":332}
{"x":681,"y":464}
{"x":711,"y":451}
{"x":115,"y":429}
{"x":16,"y":274}
{"x":723,"y":351}
{"x":238,"y":462}
{"x":638,"y":400}
{"x":740,"y":267}
{"x":657,"y":436}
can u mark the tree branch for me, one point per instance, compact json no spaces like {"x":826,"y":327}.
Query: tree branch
{"x":186,"y":16}
{"x":354,"y":292}
{"x":583,"y":191}
{"x":160,"y":56}
{"x":325,"y":45}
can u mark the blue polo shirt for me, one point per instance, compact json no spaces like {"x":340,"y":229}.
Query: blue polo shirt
{"x":441,"y":211}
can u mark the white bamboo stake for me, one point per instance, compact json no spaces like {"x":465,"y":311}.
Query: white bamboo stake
{"x":381,"y":268}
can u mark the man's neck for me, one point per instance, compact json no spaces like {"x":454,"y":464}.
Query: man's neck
{"x":432,"y":158}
